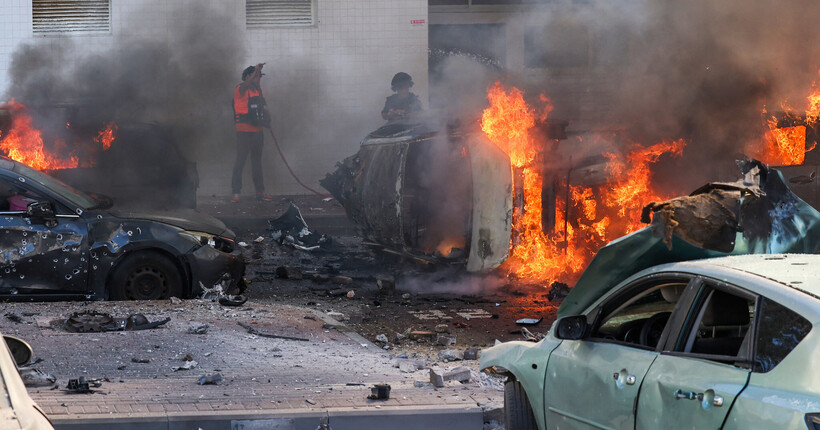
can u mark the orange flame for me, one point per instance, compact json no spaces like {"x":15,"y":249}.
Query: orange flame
{"x":563,"y":253}
{"x":24,"y":143}
{"x":107,"y":135}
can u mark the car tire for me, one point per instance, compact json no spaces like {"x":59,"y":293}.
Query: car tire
{"x":517,"y":410}
{"x":145,"y":275}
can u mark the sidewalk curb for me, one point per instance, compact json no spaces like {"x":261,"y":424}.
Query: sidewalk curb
{"x":396,"y":418}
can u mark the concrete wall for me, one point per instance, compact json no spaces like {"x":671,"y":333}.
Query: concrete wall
{"x":325,"y":84}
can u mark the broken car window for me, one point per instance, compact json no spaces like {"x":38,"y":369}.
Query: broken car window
{"x":641,"y":319}
{"x":779,"y":332}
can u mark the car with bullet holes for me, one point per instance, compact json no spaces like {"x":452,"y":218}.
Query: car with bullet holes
{"x":59,"y":243}
{"x":724,"y":342}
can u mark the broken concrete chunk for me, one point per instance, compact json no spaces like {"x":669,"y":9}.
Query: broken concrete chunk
{"x":338,"y":292}
{"x":187,"y":366}
{"x":350,"y":294}
{"x":342,"y":280}
{"x":439,"y":376}
{"x":214,"y":379}
{"x":407,"y":365}
{"x":140,"y":360}
{"x":385,"y":284}
{"x":286,"y":272}
{"x":338,"y":316}
{"x":418,"y":384}
{"x":472,"y":353}
{"x":446,"y":340}
{"x":198,"y":328}
{"x":450,"y":355}
{"x":382,"y":338}
{"x":442,"y":328}
{"x":175,"y":300}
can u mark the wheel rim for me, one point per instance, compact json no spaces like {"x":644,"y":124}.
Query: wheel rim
{"x":146,"y":282}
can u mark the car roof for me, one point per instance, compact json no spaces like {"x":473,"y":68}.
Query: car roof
{"x":797,"y":271}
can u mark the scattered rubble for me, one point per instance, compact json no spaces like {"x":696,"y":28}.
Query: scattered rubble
{"x":35,"y":378}
{"x":187,"y":366}
{"x":379,"y":392}
{"x":448,"y":355}
{"x":98,"y":322}
{"x":198,"y":328}
{"x":446,"y":340}
{"x":472,"y":354}
{"x":256,"y":332}
{"x":215,"y":379}
{"x":292,"y":230}
{"x":439,"y":376}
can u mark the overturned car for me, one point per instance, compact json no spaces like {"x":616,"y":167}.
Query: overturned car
{"x":60,"y":243}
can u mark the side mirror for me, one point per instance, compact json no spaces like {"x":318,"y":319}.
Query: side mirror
{"x":572,"y":328}
{"x":20,"y":350}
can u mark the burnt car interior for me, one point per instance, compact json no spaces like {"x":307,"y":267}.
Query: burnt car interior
{"x":722,"y":326}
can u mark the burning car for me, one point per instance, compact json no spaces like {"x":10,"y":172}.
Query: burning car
{"x":59,"y":243}
{"x":654,"y":339}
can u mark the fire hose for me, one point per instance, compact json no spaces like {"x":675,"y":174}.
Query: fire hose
{"x":284,"y":160}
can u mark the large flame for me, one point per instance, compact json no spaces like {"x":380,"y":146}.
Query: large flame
{"x":107,"y":135}
{"x":24,"y":143}
{"x":597,"y":214}
{"x":786,"y":146}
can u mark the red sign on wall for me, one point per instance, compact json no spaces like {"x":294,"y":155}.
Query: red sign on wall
{"x":416,"y":22}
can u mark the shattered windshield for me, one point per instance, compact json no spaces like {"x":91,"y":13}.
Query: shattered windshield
{"x":76,"y":197}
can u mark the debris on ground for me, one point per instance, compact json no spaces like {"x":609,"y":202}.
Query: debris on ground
{"x":256,"y":332}
{"x":409,"y":365}
{"x":292,"y":230}
{"x":140,"y":360}
{"x":99,"y":322}
{"x":214,"y":379}
{"x":446,"y":340}
{"x":439,"y":376}
{"x":198,"y":328}
{"x":558,"y":290}
{"x":187,"y":366}
{"x":379,"y":392}
{"x":472,"y":354}
{"x":528,"y":321}
{"x":82,"y":385}
{"x":447,"y":355}
{"x":14,"y":317}
{"x":35,"y":378}
{"x":382,"y":338}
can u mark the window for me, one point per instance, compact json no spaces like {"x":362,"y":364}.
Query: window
{"x":719,"y":328}
{"x":640,"y":319}
{"x":71,"y":16}
{"x":779,"y":332}
{"x":279,"y":13}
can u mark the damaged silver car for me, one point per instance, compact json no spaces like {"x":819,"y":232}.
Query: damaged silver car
{"x":673,"y":326}
{"x":59,"y":243}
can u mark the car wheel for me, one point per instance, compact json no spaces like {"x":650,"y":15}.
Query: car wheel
{"x":517,"y":410}
{"x":145,"y":275}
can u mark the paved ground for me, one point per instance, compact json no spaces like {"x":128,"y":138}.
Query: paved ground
{"x":330,"y":371}
{"x":289,"y":383}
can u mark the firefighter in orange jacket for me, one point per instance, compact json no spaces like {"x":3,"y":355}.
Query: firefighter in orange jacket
{"x":251,"y":117}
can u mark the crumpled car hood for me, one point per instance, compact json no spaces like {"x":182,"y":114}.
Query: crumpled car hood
{"x":768,"y":219}
{"x":186,"y":219}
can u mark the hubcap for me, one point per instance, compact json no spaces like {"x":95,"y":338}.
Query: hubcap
{"x":146,"y":282}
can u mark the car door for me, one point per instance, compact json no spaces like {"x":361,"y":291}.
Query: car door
{"x":594,"y":382}
{"x":36,"y":254}
{"x":694,"y":381}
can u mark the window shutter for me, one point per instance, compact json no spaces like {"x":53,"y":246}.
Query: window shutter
{"x":278,"y":13}
{"x":71,"y":16}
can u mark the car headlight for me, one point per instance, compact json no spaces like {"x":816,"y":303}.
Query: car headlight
{"x":217,"y":242}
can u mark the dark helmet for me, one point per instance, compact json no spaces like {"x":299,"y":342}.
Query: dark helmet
{"x":248,"y":71}
{"x":399,"y":79}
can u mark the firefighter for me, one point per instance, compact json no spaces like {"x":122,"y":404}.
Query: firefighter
{"x":400,"y":105}
{"x":251,"y":117}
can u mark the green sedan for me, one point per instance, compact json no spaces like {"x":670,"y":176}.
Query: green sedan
{"x":716,"y":343}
